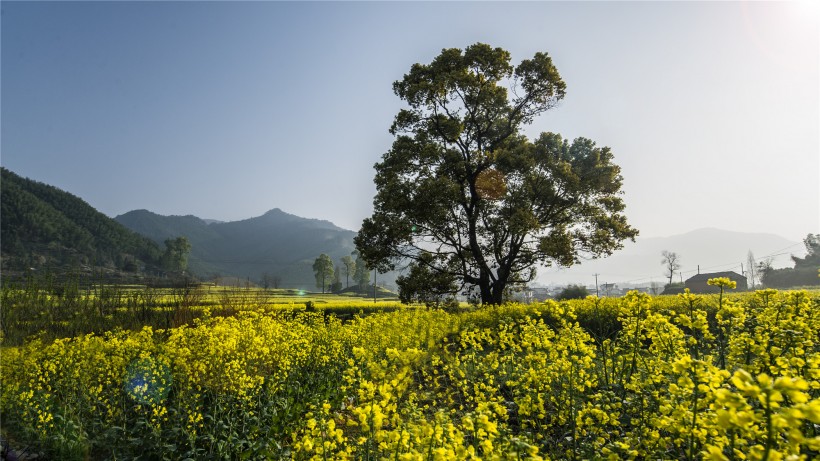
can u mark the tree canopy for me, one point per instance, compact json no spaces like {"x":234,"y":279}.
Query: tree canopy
{"x":806,"y":270}
{"x":349,"y":265}
{"x":323,"y":270}
{"x":175,"y":258}
{"x":464,"y":193}
{"x":361,"y":273}
{"x":812,"y":258}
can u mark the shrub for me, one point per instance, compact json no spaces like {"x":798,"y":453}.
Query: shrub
{"x":573,"y":292}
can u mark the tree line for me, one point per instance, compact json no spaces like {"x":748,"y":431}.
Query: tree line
{"x":806,"y":270}
{"x":329,"y":274}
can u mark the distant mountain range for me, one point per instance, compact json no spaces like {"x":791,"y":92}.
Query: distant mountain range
{"x":276,"y":244}
{"x":707,"y":250}
{"x":43,"y":226}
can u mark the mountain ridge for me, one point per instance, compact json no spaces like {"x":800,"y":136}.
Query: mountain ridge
{"x":274,"y":244}
{"x":46,"y":224}
{"x":43,"y":225}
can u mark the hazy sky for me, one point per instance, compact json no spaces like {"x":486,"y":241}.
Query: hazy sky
{"x":226,"y":110}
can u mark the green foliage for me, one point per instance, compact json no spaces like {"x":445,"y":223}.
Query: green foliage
{"x":276,"y":243}
{"x":336,"y":286}
{"x":323,"y":269}
{"x":461,"y":178}
{"x":48,"y":306}
{"x":573,"y":292}
{"x":43,"y":225}
{"x":812,"y":259}
{"x":362,"y":273}
{"x":673,"y":288}
{"x":175,"y":258}
{"x":804,"y":273}
{"x":423,"y":285}
{"x":349,"y":265}
{"x":791,"y":277}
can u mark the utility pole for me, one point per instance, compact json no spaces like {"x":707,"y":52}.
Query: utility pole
{"x":596,"y":284}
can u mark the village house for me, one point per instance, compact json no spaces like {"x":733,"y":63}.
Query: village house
{"x":697,"y":284}
{"x":610,"y":289}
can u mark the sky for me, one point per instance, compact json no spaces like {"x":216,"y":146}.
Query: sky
{"x":227,"y":110}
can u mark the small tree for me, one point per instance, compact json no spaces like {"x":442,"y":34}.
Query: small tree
{"x":349,"y":269}
{"x":764,"y":268}
{"x":175,"y":258}
{"x":362,"y":274}
{"x":671,"y":261}
{"x":336,"y":286}
{"x":751,"y":272}
{"x":323,"y":270}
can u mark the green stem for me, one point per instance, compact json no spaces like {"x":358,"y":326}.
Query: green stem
{"x":769,"y":428}
{"x":694,"y":412}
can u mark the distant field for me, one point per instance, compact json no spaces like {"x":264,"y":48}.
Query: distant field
{"x":68,"y":310}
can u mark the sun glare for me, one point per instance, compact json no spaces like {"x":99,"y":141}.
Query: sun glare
{"x":806,"y":10}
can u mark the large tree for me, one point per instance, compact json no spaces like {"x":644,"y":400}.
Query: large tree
{"x":461,"y":182}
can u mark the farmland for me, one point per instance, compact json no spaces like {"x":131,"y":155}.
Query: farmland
{"x":674,"y":377}
{"x":52,"y":310}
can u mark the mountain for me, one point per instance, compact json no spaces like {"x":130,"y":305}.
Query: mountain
{"x":278,"y":244}
{"x":714,"y":250}
{"x":42,"y":225}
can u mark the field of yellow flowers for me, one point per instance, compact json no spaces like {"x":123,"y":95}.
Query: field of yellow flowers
{"x":688,"y":377}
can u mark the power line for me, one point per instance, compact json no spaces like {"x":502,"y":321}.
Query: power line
{"x":726,"y":265}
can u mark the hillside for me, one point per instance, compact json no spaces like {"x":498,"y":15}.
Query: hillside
{"x":277,"y":244}
{"x":43,"y":226}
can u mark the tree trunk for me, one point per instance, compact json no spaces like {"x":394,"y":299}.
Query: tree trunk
{"x":486,"y":290}
{"x":491,"y":293}
{"x":498,"y":292}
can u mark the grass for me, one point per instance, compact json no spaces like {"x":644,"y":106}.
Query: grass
{"x":46,"y":311}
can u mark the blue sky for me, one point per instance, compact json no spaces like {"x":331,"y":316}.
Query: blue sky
{"x":226,"y":110}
